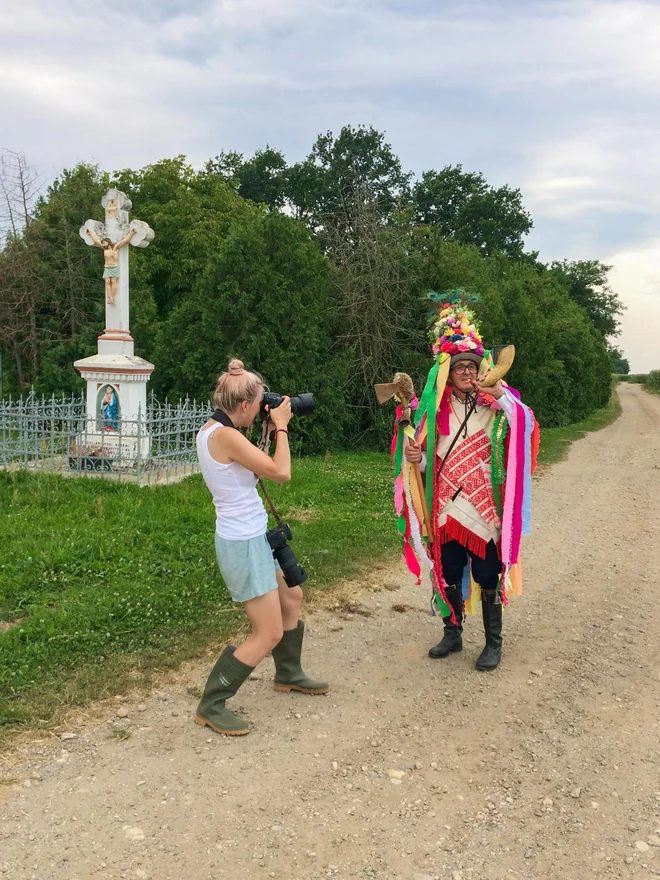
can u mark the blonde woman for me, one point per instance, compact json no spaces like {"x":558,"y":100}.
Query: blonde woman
{"x":231,"y":466}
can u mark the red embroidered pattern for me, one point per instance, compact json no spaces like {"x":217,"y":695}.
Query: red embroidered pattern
{"x":464,"y":470}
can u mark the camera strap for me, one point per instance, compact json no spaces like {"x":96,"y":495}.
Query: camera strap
{"x":270,"y":504}
{"x":223,"y":418}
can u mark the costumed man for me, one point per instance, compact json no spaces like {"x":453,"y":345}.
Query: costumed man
{"x":477,"y":443}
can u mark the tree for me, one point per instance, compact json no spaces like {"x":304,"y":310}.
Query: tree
{"x":586,"y":283}
{"x":462,"y":206}
{"x":618,"y":363}
{"x":19,"y":189}
{"x":261,"y":179}
{"x":21,"y":293}
{"x":377,"y":301}
{"x":262,"y":294}
{"x":323,"y":185}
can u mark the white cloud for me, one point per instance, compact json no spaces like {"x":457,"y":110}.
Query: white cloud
{"x":559,"y":98}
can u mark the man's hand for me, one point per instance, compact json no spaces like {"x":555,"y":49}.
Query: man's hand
{"x":495,"y":390}
{"x":413,"y":452}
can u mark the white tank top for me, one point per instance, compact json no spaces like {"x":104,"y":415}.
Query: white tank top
{"x":240,"y":512}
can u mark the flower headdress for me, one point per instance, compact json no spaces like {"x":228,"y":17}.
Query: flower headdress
{"x":454,"y":331}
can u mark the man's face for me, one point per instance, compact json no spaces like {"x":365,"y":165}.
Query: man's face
{"x":463,"y":374}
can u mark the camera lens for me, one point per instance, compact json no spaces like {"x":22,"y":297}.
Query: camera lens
{"x":302,"y":404}
{"x":294,"y":573}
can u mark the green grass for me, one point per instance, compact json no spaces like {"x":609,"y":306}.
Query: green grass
{"x":104,"y":585}
{"x":101,"y":579}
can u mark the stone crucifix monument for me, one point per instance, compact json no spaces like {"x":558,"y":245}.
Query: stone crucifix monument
{"x":116,"y":378}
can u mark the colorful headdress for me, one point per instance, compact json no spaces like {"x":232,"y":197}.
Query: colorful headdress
{"x":454,"y":331}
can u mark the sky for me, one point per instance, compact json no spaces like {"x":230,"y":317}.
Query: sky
{"x":559,"y":99}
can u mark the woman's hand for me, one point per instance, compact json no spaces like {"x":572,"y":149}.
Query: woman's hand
{"x":281,"y":415}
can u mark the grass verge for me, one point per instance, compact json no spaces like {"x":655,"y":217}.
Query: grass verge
{"x":103,"y":586}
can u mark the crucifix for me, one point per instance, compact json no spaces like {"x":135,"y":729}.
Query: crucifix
{"x":116,"y":377}
{"x":112,"y":237}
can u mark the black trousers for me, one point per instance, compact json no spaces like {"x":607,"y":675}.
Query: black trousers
{"x":485,"y":571}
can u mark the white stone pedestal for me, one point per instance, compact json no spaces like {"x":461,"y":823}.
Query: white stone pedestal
{"x":125,"y":436}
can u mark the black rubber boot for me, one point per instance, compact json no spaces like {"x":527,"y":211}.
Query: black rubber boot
{"x":452,"y":641}
{"x":491,"y":608}
{"x":226,"y":677}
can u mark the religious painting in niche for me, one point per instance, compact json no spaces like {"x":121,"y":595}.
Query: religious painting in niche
{"x":108,"y":409}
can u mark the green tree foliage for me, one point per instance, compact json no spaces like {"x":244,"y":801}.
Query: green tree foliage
{"x":49,"y":294}
{"x":262,"y":294}
{"x":463,"y":207}
{"x":618,"y":364}
{"x":313,"y":274}
{"x":262,"y":179}
{"x":325,"y":183}
{"x":586,"y":284}
{"x":561,"y":364}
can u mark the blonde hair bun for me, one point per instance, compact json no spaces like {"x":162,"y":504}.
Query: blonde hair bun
{"x":235,"y":386}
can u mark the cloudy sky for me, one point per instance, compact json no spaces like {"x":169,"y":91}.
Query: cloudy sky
{"x":561,"y":99}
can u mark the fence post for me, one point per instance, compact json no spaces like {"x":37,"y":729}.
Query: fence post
{"x":139,"y":443}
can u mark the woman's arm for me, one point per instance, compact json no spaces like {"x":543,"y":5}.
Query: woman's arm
{"x":233,"y":445}
{"x":238,"y":448}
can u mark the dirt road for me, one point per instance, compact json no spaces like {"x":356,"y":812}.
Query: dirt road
{"x":411,"y":769}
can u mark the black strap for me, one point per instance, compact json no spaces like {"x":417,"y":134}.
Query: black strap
{"x":223,"y":418}
{"x":472,"y":408}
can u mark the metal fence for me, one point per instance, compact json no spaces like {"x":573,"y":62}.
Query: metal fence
{"x":55,"y":434}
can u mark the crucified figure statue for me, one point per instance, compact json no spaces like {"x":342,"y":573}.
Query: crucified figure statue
{"x":111,"y":259}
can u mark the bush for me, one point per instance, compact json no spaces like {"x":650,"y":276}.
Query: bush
{"x":653,"y":380}
{"x":635,"y":378}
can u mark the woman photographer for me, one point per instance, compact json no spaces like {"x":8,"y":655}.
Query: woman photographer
{"x":231,"y":466}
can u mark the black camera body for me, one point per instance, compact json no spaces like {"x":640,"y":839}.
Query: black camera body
{"x":294,"y":573}
{"x":301,"y":404}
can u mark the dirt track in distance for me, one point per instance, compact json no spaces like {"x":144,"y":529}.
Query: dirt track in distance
{"x":410,"y":769}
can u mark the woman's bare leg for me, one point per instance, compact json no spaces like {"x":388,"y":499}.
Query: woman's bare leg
{"x":290,"y":602}
{"x":265,"y":615}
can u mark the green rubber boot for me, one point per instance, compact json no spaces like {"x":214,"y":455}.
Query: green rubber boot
{"x":288,"y":672}
{"x":226,"y":677}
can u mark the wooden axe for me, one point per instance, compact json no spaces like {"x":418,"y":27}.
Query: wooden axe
{"x":403,"y":390}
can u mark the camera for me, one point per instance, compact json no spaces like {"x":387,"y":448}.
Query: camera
{"x":301,"y":404}
{"x":294,"y":573}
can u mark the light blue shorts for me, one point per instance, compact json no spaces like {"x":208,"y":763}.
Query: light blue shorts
{"x":247,"y":567}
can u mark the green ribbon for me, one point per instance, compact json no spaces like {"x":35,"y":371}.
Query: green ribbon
{"x":398,"y":452}
{"x":428,"y":405}
{"x":428,"y":395}
{"x":498,"y":473}
{"x":443,"y":608}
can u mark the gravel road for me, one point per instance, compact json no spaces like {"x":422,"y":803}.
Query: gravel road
{"x":411,"y":769}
